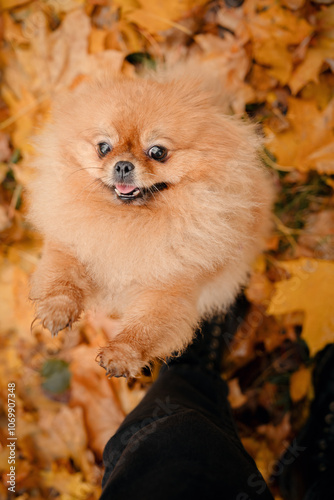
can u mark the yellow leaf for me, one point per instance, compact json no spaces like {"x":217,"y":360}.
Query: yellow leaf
{"x":300,"y":382}
{"x":264,"y":457}
{"x":151,"y":21}
{"x":310,"y":289}
{"x":322,"y":50}
{"x":277,"y":57}
{"x":321,"y":92}
{"x":24,"y":109}
{"x":273,"y":21}
{"x":172,"y":10}
{"x":159,"y":16}
{"x":127,"y":5}
{"x":16,"y":311}
{"x":309,"y":69}
{"x":71,"y":485}
{"x":309,"y":141}
{"x":97,"y":40}
{"x":10,"y":4}
{"x":273,"y":29}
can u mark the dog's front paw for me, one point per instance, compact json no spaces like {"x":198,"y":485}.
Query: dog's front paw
{"x":119,"y":359}
{"x":58,"y":312}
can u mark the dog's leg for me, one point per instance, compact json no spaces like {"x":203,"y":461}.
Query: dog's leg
{"x":157,"y":323}
{"x":58,"y":288}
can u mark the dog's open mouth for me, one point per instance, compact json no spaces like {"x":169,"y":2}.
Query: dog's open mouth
{"x":128,"y":192}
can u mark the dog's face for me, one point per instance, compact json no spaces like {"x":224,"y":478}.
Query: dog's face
{"x":133,"y":159}
{"x":138,"y":139}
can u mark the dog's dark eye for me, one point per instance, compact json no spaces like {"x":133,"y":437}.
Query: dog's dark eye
{"x":103,"y":149}
{"x":157,"y":153}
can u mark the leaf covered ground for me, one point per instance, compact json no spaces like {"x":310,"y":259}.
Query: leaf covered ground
{"x":277,"y":56}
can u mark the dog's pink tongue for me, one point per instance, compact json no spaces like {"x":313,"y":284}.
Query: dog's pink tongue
{"x":124,"y":188}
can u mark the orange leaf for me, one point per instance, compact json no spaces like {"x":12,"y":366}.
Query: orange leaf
{"x":235,"y":397}
{"x":309,"y":69}
{"x":10,"y":4}
{"x":309,"y":141}
{"x":310,"y":289}
{"x":300,"y":383}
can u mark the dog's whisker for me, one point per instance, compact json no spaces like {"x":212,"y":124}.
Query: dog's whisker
{"x":151,"y":192}
{"x":90,"y":186}
{"x":150,"y":173}
{"x":83,"y":168}
{"x":161,"y":194}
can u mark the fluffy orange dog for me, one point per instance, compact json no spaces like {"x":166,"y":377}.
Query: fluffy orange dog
{"x":153,"y":204}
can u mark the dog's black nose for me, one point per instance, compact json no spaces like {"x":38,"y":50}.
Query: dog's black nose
{"x":123,"y":169}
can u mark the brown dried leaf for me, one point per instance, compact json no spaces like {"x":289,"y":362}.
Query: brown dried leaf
{"x":5,"y":151}
{"x":94,"y":393}
{"x":259,"y":289}
{"x":62,"y":435}
{"x":235,"y":396}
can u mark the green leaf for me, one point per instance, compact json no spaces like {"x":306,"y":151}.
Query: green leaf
{"x":57,"y":376}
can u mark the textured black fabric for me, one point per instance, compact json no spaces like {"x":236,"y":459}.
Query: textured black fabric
{"x":308,"y":474}
{"x":180,"y":442}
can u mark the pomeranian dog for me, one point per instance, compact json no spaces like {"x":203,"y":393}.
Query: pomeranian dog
{"x":153,"y":203}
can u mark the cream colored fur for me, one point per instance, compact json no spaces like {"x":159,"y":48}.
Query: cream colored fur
{"x":162,"y":265}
